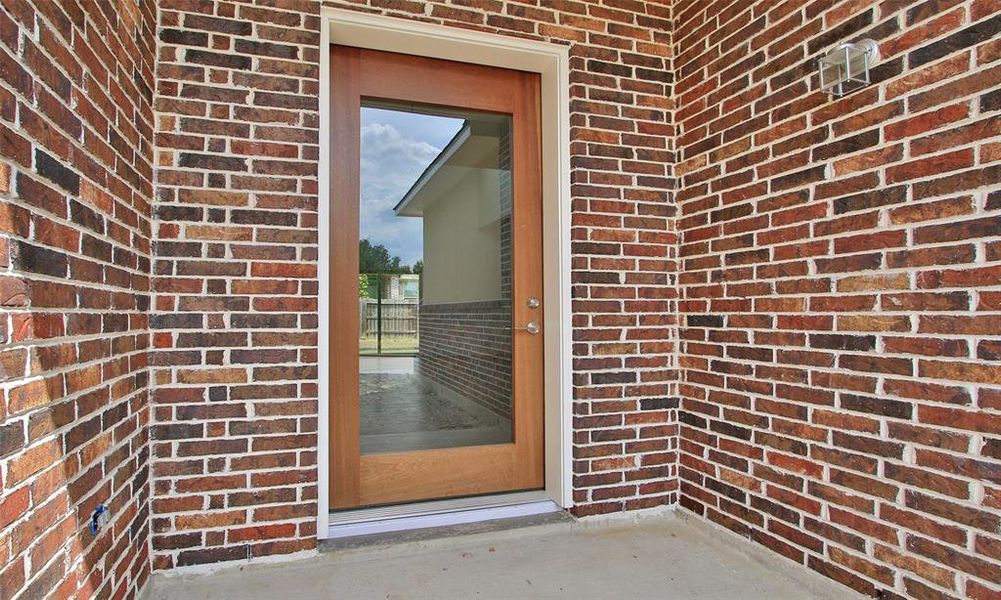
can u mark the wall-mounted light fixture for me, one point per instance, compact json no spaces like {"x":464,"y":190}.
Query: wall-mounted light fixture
{"x":846,"y":68}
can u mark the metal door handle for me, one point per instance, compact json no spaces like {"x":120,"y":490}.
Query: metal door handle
{"x":531,"y":327}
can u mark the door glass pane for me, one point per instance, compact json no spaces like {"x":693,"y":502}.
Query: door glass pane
{"x":435,"y":278}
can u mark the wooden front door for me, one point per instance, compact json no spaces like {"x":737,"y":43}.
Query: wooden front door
{"x":436,"y":324}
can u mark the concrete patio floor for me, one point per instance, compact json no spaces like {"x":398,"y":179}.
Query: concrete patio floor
{"x":670,"y":555}
{"x":403,"y":411}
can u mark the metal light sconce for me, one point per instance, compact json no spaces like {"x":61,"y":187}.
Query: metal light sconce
{"x":846,"y":68}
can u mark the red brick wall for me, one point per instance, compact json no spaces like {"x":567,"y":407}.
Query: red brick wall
{"x":466,"y":348}
{"x":839,"y":280}
{"x":234,"y":319}
{"x":75,"y":190}
{"x":841,"y":263}
{"x":235,"y":276}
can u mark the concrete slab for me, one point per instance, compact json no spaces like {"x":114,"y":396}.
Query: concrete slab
{"x":671,"y":555}
{"x":386,"y":364}
{"x":402,"y":412}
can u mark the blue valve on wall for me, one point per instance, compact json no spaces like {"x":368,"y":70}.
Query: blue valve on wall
{"x":99,"y":519}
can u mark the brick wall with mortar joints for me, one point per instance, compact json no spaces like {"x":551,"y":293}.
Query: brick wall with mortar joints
{"x":841,"y":289}
{"x":223,"y":66}
{"x":466,"y":348}
{"x":76,"y":125}
{"x":790,"y":417}
{"x":235,"y":278}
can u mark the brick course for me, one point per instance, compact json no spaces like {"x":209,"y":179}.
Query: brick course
{"x":76,"y":117}
{"x":837,"y":340}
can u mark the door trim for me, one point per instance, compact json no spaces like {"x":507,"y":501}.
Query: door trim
{"x":551,"y":61}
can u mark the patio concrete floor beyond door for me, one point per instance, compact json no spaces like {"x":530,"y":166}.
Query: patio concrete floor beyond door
{"x":402,"y":411}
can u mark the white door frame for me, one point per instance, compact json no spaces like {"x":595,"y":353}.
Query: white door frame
{"x":552,"y":62}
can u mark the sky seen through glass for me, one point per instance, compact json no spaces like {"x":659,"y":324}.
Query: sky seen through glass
{"x":396,"y":147}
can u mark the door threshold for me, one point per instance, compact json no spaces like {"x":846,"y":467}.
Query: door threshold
{"x":438,"y":514}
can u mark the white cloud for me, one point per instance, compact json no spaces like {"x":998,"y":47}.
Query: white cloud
{"x":391,"y":160}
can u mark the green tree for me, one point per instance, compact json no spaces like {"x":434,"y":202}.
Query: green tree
{"x":418,"y":267}
{"x":377,"y":259}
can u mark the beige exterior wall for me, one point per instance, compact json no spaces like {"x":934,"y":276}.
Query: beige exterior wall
{"x":462,"y":241}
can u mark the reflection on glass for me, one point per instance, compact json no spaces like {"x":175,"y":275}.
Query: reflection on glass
{"x":435,"y":278}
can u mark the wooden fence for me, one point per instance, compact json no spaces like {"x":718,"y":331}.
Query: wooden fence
{"x":399,"y":317}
